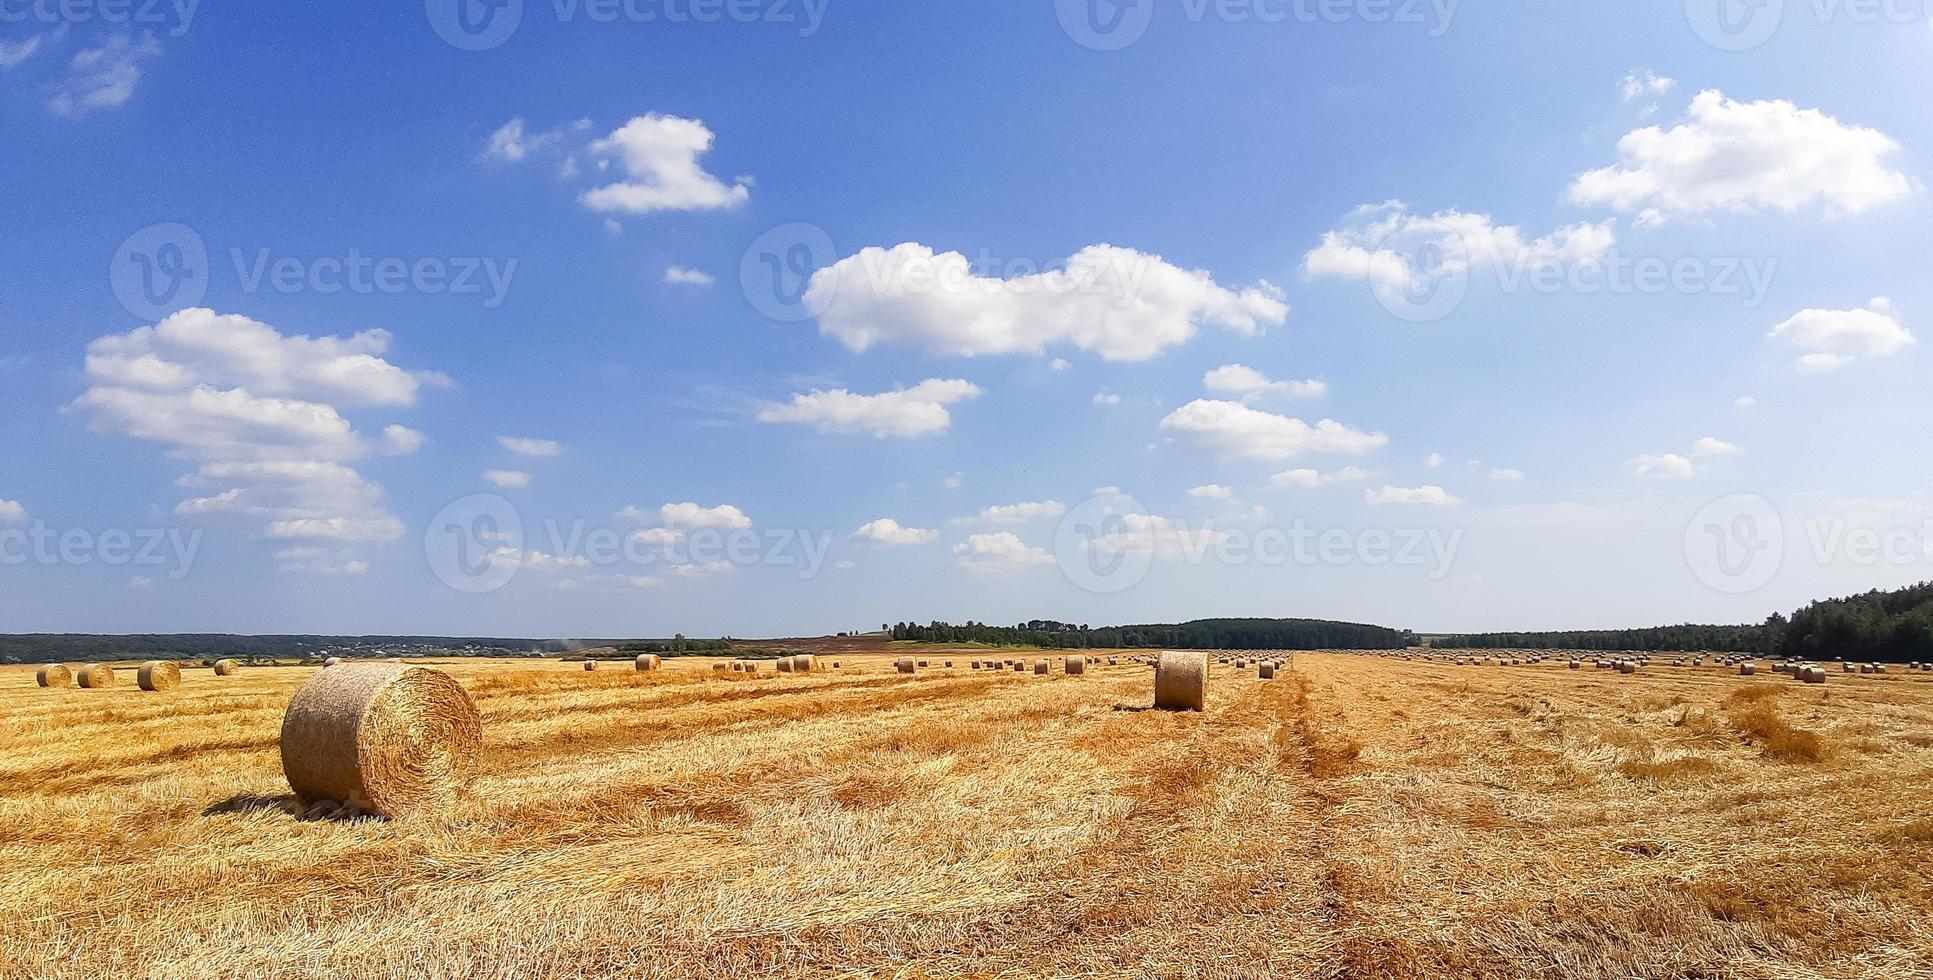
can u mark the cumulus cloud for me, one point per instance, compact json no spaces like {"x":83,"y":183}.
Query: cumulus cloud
{"x":11,"y":512}
{"x":1746,"y":157}
{"x":907,"y":413}
{"x":1019,"y":513}
{"x":101,"y":77}
{"x":998,"y":551}
{"x":534,"y":448}
{"x":690,"y":515}
{"x":1247,"y":383}
{"x":1211,"y":491}
{"x":1831,"y":339}
{"x":1159,"y":536}
{"x":1117,"y":302}
{"x":659,"y":155}
{"x":1714,"y":446}
{"x":511,"y":144}
{"x":1430,"y":496}
{"x":1236,"y":431}
{"x":1106,"y":398}
{"x":258,"y":411}
{"x":1309,"y":479}
{"x":887,"y":531}
{"x":678,"y":275}
{"x":1507,"y":474}
{"x":1399,"y":253}
{"x":507,"y":479}
{"x":1660,"y":466}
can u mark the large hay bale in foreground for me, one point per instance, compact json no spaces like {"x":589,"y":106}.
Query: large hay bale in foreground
{"x":159,"y":675}
{"x":54,"y":675}
{"x":95,"y":675}
{"x":223,"y":668}
{"x":1076,"y":665}
{"x":1181,"y":681}
{"x":647,"y":661}
{"x":381,"y":738}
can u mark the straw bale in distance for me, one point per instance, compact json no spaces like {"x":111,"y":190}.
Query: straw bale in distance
{"x":1076,"y":665}
{"x":223,"y":668}
{"x":647,"y":661}
{"x":54,"y":675}
{"x":590,"y":665}
{"x":95,"y":675}
{"x":1266,"y":671}
{"x":904,"y":665}
{"x":381,"y":738}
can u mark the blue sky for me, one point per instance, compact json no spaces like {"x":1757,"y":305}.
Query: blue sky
{"x":1164,"y":235}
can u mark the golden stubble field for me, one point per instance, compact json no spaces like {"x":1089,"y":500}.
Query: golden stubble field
{"x":1357,"y":817}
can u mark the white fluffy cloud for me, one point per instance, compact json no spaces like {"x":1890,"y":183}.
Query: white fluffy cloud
{"x":998,"y":551}
{"x":13,"y":53}
{"x":102,"y":77}
{"x":11,"y":512}
{"x":887,"y":531}
{"x":1834,"y":338}
{"x":1714,"y":446}
{"x":507,"y":479}
{"x":907,"y":413}
{"x":691,"y":515}
{"x":1745,"y":157}
{"x":1159,"y":536}
{"x":659,"y":155}
{"x":1660,"y":466}
{"x":678,"y":275}
{"x":1019,"y":513}
{"x":1308,"y":479}
{"x":1122,"y":304}
{"x":535,"y":448}
{"x":1641,"y":83}
{"x":1106,"y":398}
{"x":1211,"y":491}
{"x":1507,"y":474}
{"x":1233,"y":430}
{"x":259,"y":412}
{"x":1381,"y":244}
{"x":1248,"y":383}
{"x":1429,"y":496}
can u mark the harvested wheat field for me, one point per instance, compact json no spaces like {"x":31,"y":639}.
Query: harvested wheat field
{"x":1356,"y":816}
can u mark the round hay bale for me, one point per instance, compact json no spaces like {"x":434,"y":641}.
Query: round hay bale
{"x":721,"y":666}
{"x":1813,"y":675}
{"x":1266,"y":671}
{"x":922,"y":663}
{"x":1181,"y":681}
{"x":806,"y":663}
{"x":159,"y":675}
{"x":95,"y":675}
{"x":948,"y":664}
{"x":1019,"y":667}
{"x":224,"y":668}
{"x":785,"y":665}
{"x":904,"y":665}
{"x":973,"y":665}
{"x":751,"y":666}
{"x":647,"y":661}
{"x":381,"y":738}
{"x":1627,"y":667}
{"x":1076,"y":665}
{"x":835,"y":665}
{"x":1042,"y":666}
{"x":332,"y":661}
{"x":1577,"y":664}
{"x":590,"y":665}
{"x":1111,"y":661}
{"x":738,"y":665}
{"x":54,"y":675}
{"x":1747,"y":669}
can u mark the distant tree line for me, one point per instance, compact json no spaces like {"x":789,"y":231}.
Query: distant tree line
{"x":1881,"y":626}
{"x":1209,"y":634}
{"x":676,"y":645}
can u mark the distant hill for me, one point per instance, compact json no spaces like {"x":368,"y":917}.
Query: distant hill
{"x":49,"y":647}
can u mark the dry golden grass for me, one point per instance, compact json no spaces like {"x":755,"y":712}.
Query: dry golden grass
{"x":1355,"y":817}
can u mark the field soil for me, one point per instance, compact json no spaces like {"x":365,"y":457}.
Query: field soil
{"x":1359,"y":816}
